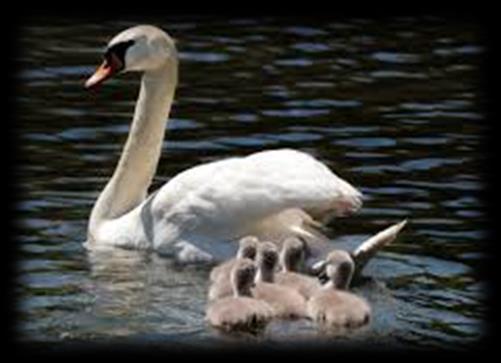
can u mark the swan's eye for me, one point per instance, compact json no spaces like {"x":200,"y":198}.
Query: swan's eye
{"x":118,"y":50}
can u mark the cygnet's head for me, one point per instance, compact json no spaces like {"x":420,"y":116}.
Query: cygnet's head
{"x":292,"y":254}
{"x":339,"y":268}
{"x":242,"y":277}
{"x":140,"y":48}
{"x":247,"y":247}
{"x":267,"y":259}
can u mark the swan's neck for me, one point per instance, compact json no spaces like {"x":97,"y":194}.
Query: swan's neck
{"x":137,"y":165}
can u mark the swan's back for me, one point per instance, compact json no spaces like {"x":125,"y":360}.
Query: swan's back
{"x":225,"y":199}
{"x":285,"y":178}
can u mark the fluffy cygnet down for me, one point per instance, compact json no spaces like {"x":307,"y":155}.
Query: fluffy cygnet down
{"x":286,"y":302}
{"x":221,"y":285}
{"x":332,"y":307}
{"x":247,"y":247}
{"x":291,"y":258}
{"x":240,"y":312}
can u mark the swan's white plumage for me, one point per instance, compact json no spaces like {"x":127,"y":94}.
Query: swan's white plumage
{"x":224,"y":200}
{"x":233,"y":195}
{"x":269,"y":193}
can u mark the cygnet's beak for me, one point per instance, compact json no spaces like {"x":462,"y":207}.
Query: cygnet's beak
{"x":318,"y":268}
{"x":107,"y":69}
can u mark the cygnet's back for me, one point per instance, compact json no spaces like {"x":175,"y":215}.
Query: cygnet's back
{"x":291,"y":257}
{"x":240,"y":312}
{"x":286,"y":302}
{"x":334,"y":307}
{"x":338,"y":309}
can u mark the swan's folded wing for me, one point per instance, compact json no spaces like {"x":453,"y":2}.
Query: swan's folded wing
{"x":231,"y":194}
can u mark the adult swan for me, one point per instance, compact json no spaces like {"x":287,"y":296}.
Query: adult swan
{"x":271,"y":194}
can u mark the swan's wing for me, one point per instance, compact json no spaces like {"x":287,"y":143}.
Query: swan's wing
{"x":224,"y":198}
{"x":366,"y":250}
{"x":186,"y":182}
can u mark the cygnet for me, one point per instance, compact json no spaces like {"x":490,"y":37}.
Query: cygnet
{"x":291,"y":258}
{"x":240,"y":311}
{"x":286,"y":302}
{"x":247,"y":247}
{"x":332,"y":306}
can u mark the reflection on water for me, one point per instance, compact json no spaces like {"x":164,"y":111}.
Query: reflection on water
{"x":394,"y":107}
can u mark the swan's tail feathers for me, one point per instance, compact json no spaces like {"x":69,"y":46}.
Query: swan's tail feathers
{"x":363,"y":253}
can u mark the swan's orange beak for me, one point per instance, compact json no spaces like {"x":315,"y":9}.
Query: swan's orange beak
{"x":106,"y":70}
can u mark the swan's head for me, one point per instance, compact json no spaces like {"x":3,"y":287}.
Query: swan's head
{"x":140,"y":48}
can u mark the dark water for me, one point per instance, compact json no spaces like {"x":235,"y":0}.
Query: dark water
{"x":393,"y":106}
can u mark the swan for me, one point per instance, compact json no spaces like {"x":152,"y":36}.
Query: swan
{"x":193,"y":216}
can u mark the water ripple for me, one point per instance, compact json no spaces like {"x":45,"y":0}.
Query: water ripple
{"x":395,"y":57}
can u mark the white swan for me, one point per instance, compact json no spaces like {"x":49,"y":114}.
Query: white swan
{"x":267,"y":194}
